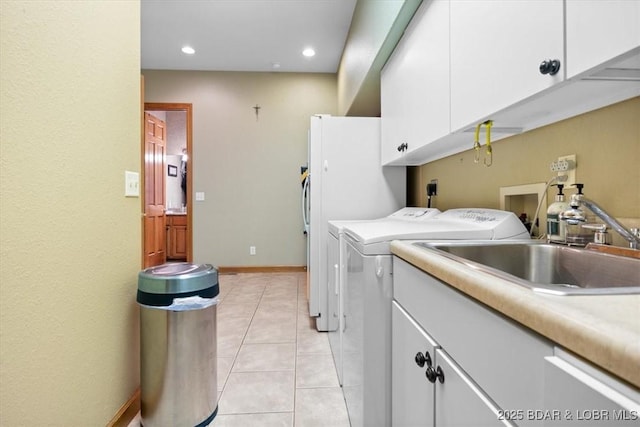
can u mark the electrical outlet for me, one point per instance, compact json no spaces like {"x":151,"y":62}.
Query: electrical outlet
{"x":565,"y":165}
{"x":252,"y":250}
{"x":432,"y":188}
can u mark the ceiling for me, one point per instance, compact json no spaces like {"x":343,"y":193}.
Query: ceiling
{"x":244,"y":35}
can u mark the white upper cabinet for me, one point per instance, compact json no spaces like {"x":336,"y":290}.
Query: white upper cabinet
{"x":598,"y":31}
{"x":496,"y":52}
{"x":394,"y":113}
{"x":415,"y":85}
{"x":462,"y":62}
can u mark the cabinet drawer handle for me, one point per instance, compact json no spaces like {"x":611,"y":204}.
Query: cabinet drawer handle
{"x":435,"y":374}
{"x":550,"y":66}
{"x":423,"y":359}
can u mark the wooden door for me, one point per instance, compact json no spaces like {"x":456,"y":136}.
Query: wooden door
{"x":177,"y":237}
{"x":154,"y":191}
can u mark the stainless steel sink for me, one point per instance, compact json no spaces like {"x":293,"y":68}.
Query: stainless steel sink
{"x":555,"y":269}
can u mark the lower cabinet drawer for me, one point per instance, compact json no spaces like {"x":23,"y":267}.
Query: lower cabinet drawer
{"x":176,"y":220}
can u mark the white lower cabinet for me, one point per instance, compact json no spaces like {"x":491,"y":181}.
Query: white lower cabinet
{"x":412,"y":395}
{"x":504,"y":359}
{"x":428,"y":386}
{"x":494,"y":370}
{"x":577,"y":393}
{"x":459,"y":400}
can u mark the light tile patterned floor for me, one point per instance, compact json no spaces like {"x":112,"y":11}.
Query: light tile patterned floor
{"x":274,"y":368}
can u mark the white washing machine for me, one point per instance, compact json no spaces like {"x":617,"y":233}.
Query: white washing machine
{"x":336,"y":262}
{"x":367,"y":292}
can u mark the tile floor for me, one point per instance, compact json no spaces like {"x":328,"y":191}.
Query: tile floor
{"x":274,"y":368}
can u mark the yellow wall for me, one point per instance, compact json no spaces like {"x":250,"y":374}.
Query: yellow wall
{"x":606,"y":143}
{"x":70,"y":240}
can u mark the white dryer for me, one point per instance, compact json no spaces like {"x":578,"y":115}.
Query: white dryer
{"x":368,"y":291}
{"x":399,"y":221}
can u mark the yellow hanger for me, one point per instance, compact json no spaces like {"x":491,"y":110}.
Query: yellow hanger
{"x":489,"y":154}
{"x":477,"y":146}
{"x":476,"y":143}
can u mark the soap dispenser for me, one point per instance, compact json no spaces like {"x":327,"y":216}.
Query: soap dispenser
{"x":576,"y":233}
{"x":556,"y":228}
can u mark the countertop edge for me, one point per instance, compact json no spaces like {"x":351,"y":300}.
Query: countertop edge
{"x":584,"y":325}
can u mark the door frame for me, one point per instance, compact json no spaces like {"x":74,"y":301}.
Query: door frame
{"x":188,"y":108}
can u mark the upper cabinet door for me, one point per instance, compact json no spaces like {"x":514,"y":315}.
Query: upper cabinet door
{"x":394,"y":111}
{"x":496,"y":51}
{"x":598,"y":31}
{"x":415,"y":84}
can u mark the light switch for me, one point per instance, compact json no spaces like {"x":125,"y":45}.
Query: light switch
{"x":131,"y":184}
{"x":199,"y":196}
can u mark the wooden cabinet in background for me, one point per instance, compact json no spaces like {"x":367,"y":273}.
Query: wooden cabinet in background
{"x":177,"y":237}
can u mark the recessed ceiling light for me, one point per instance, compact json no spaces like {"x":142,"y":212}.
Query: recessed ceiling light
{"x":188,"y":50}
{"x":308,"y":52}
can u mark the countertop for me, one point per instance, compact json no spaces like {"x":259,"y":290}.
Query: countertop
{"x":604,"y":330}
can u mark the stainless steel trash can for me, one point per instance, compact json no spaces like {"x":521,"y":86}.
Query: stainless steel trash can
{"x":178,"y":383}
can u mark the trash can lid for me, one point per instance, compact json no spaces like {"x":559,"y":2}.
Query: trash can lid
{"x":177,"y":278}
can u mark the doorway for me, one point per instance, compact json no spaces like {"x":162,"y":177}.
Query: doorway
{"x":178,"y":174}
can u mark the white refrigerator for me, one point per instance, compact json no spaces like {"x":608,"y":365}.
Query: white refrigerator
{"x":345,"y":182}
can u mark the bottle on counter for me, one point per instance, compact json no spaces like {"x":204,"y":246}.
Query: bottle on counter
{"x":556,"y":228}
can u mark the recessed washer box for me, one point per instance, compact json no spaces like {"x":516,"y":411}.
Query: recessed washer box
{"x":524,"y":199}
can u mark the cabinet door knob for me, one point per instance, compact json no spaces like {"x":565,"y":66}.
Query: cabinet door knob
{"x":550,"y":66}
{"x":435,"y":374}
{"x":423,"y":359}
{"x":403,"y":146}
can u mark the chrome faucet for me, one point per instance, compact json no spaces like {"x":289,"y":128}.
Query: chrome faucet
{"x":576,"y":216}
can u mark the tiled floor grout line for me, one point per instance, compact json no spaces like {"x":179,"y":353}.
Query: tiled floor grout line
{"x":244,"y":336}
